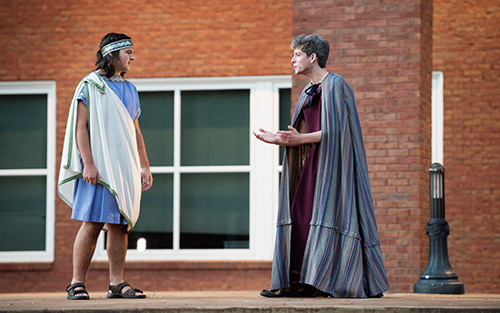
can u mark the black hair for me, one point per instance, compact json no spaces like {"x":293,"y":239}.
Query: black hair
{"x":106,"y":63}
{"x":313,"y":44}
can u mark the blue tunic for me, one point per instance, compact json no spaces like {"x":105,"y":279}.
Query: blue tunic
{"x":94,"y":203}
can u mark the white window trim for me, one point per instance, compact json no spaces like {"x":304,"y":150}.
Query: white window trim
{"x":437,"y":117}
{"x":263,"y":168}
{"x":48,"y":88}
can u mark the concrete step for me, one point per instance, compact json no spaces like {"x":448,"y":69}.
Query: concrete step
{"x":248,"y":302}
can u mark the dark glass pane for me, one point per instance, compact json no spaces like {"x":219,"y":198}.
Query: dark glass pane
{"x":23,"y":131}
{"x":157,"y":126}
{"x":285,"y":114}
{"x":215,"y":127}
{"x":155,"y":222}
{"x":23,"y":213}
{"x":214,"y":211}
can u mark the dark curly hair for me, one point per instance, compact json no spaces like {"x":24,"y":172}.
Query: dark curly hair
{"x":313,"y":44}
{"x":106,"y":63}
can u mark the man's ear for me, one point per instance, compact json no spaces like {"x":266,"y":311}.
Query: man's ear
{"x":313,"y":57}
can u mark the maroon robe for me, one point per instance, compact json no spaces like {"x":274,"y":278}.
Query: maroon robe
{"x":302,"y":204}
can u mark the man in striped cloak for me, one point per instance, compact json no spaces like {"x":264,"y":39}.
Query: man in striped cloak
{"x":327,"y":241}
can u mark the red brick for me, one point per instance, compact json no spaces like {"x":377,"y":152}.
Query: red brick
{"x":386,"y":57}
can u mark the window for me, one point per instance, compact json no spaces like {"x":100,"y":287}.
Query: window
{"x":27,"y":173}
{"x":214,"y":194}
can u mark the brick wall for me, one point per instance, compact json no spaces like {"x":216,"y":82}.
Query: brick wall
{"x":383,"y":49}
{"x":467,"y":50}
{"x":58,"y":40}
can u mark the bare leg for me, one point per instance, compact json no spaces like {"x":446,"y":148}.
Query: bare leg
{"x":117,"y":250}
{"x":83,"y":250}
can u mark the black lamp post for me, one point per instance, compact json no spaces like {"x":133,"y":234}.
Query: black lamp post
{"x":438,"y":277}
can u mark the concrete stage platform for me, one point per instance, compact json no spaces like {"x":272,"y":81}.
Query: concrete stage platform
{"x":248,"y":301}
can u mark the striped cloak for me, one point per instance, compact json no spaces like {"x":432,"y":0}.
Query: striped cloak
{"x":342,"y":254}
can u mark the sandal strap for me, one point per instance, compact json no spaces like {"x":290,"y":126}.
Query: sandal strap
{"x":132,"y":291}
{"x":118,"y":289}
{"x":72,"y":292}
{"x":76,"y":285}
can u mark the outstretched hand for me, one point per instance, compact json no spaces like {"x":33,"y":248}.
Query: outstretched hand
{"x":289,"y":137}
{"x":266,"y":136}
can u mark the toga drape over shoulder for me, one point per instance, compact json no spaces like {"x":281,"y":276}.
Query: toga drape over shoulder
{"x":342,"y":254}
{"x":113,"y":143}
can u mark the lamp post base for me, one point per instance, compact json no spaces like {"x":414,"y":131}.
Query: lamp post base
{"x":439,"y":286}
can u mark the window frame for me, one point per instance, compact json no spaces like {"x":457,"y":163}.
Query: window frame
{"x":48,"y":88}
{"x":263,"y":168}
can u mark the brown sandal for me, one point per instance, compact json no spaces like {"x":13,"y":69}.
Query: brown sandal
{"x":116,"y":292}
{"x":72,"y":292}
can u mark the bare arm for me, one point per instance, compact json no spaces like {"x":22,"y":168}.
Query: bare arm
{"x":147,"y":177}
{"x":90,"y":173}
{"x":289,"y":137}
{"x":293,"y":138}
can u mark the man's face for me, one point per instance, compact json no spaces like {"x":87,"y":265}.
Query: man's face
{"x":123,"y":62}
{"x":301,"y":63}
